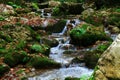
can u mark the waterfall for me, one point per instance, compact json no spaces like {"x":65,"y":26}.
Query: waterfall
{"x":56,"y":53}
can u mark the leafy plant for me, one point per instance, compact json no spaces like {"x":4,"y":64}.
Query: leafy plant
{"x":21,"y":44}
{"x":2,"y":18}
{"x":117,"y":10}
{"x":35,"y":6}
{"x":84,"y":77}
{"x":40,"y":48}
{"x":14,"y":5}
{"x":56,"y":11}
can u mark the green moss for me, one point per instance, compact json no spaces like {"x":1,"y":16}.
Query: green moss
{"x":40,"y":48}
{"x":42,"y":62}
{"x":91,"y":58}
{"x":15,"y":58}
{"x":72,"y":78}
{"x":92,"y":77}
{"x":3,"y":69}
{"x":85,"y":36}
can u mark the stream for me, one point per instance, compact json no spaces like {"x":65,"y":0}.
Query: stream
{"x":56,"y":53}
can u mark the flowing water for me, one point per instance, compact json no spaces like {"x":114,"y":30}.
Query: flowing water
{"x":56,"y":53}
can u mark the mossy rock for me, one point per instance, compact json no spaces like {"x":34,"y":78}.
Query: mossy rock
{"x":72,"y":78}
{"x":69,"y":52}
{"x":15,"y":58}
{"x":56,"y":28}
{"x":70,"y":8}
{"x":40,"y":49}
{"x":77,"y":60}
{"x":91,"y":59}
{"x":50,"y":42}
{"x":86,"y":35}
{"x":42,"y":62}
{"x":3,"y":69}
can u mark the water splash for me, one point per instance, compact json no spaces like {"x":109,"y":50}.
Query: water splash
{"x":62,"y":73}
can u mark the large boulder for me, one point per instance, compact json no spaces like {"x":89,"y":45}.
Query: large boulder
{"x":109,"y":63}
{"x":85,"y":35}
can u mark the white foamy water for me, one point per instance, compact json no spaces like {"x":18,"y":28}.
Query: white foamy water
{"x":62,"y":73}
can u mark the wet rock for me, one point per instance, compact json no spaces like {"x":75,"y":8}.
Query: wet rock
{"x":57,"y":27}
{"x":49,"y":41}
{"x":78,"y":60}
{"x":85,"y":35}
{"x":47,"y":10}
{"x":108,"y":64}
{"x":42,"y":62}
{"x":67,"y":47}
{"x":3,"y":69}
{"x":69,"y":52}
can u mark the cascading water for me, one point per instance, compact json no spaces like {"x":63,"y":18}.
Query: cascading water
{"x":57,"y":55}
{"x":43,"y":14}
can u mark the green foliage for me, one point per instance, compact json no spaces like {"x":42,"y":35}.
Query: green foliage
{"x":56,"y":11}
{"x":103,"y":47}
{"x":14,"y":5}
{"x":92,"y":77}
{"x":20,"y":71}
{"x":117,"y":10}
{"x":71,"y":78}
{"x":42,"y":62}
{"x":114,"y":19}
{"x":3,"y":69}
{"x":21,"y":44}
{"x":40,"y":48}
{"x":84,"y":77}
{"x":35,"y":5}
{"x":37,"y":48}
{"x":2,"y":18}
{"x":6,"y":37}
{"x":94,"y":20}
{"x":15,"y":58}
